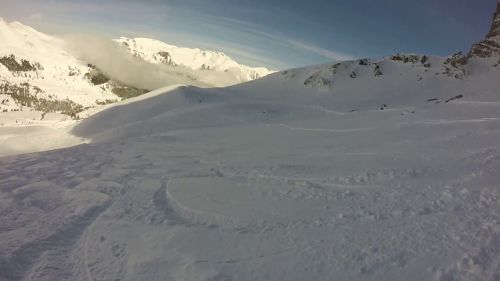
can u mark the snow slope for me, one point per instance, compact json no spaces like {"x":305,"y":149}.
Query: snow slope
{"x":33,"y":131}
{"x":364,"y":170}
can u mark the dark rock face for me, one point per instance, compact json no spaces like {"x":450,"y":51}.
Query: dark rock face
{"x":495,"y":26}
{"x":491,"y":45}
{"x":164,"y":57}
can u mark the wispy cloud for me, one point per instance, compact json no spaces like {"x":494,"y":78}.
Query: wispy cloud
{"x":244,"y":27}
{"x":251,"y":55}
{"x":329,"y":54}
{"x":35,"y":16}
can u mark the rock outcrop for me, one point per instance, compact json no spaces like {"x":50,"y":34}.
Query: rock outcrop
{"x":490,"y":46}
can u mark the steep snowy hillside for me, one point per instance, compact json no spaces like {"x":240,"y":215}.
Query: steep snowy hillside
{"x":37,"y":73}
{"x":159,"y":52}
{"x":363,"y":170}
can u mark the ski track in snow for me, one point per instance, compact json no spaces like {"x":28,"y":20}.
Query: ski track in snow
{"x":323,"y":130}
{"x":445,"y":122}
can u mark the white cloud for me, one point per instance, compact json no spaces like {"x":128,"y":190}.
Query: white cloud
{"x":118,"y":63}
{"x":35,"y":16}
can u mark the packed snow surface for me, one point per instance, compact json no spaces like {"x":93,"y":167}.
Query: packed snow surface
{"x":32,"y":131}
{"x":335,"y":172}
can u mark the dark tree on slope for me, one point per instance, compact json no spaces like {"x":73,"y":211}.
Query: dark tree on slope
{"x":12,"y":64}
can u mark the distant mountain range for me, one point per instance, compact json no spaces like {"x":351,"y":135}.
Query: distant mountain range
{"x":155,"y":51}
{"x":38,"y":73}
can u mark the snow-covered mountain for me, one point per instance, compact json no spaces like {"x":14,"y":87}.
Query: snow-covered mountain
{"x":155,"y":51}
{"x":372,"y":169}
{"x":38,"y":73}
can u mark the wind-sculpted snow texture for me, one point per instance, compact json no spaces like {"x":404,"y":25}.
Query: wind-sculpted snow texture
{"x":279,"y":179}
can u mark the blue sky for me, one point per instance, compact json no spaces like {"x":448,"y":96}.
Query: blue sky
{"x":274,"y":33}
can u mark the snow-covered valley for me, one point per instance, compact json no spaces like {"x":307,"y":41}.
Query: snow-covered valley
{"x":383,"y":169}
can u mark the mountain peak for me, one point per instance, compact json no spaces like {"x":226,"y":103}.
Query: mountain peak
{"x":495,"y":26}
{"x":490,"y":46}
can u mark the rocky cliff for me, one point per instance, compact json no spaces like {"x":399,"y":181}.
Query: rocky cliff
{"x":490,"y":46}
